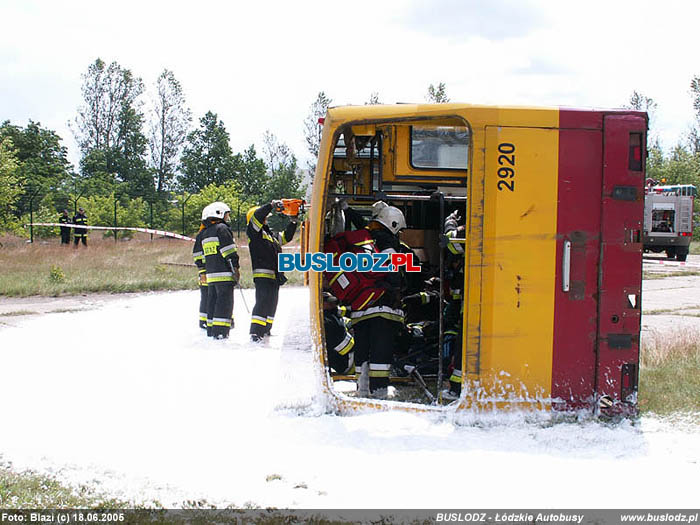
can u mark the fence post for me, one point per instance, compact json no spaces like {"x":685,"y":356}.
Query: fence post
{"x":150,"y":205}
{"x":183,"y":213}
{"x":115,"y":217}
{"x":31,"y":216}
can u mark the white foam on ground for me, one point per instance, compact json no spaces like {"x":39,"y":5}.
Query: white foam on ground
{"x":134,"y":399}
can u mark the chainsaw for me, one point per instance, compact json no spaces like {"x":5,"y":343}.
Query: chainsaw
{"x":293,"y":207}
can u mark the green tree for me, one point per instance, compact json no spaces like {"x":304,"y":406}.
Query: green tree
{"x":312,"y":128}
{"x":681,"y":167}
{"x":640,"y":102}
{"x":10,"y":184}
{"x":437,"y":94}
{"x":109,"y":129}
{"x":694,"y":133}
{"x":42,"y":165}
{"x":207,"y":157}
{"x":285,"y":178}
{"x":170,"y":122}
{"x":227,"y":192}
{"x":252,"y":176}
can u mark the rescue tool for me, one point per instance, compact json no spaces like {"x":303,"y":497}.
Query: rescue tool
{"x":293,"y":207}
{"x":415,"y":374}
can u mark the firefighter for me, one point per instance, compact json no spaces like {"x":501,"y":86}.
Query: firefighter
{"x":265,"y":244}
{"x":454,"y":229}
{"x":80,"y":234}
{"x":222,"y":269}
{"x":198,"y":256}
{"x":377,"y":324}
{"x":65,"y":230}
{"x":339,"y":340}
{"x":423,"y":305}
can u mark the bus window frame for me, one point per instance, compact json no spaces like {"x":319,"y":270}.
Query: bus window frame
{"x":327,"y":385}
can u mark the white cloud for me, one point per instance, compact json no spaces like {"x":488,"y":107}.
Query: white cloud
{"x":260,"y":65}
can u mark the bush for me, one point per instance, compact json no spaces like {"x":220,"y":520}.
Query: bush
{"x":56,"y":275}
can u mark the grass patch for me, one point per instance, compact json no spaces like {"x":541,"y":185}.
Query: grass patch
{"x":695,"y":248}
{"x":677,"y":311}
{"x":29,"y":490}
{"x":650,"y":276}
{"x":18,"y":313}
{"x":669,"y":379}
{"x":140,"y":265}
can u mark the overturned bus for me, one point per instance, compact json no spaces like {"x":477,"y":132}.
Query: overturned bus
{"x":552,"y":204}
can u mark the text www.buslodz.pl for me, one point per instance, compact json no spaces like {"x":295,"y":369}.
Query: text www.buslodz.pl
{"x":347,"y":262}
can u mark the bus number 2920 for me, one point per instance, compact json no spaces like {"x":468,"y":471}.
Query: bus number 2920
{"x":506,"y":163}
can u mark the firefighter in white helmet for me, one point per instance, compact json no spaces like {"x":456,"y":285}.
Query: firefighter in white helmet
{"x":376,"y":325}
{"x":198,"y":256}
{"x":222,"y":268}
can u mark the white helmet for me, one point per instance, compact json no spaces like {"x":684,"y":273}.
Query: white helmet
{"x":216,"y":210}
{"x":378,"y":207}
{"x":392,"y":218}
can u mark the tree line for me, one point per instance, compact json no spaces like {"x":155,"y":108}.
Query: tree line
{"x":141,"y":163}
{"x":145,"y":164}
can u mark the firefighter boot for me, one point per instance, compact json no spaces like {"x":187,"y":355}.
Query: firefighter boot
{"x":363,"y":380}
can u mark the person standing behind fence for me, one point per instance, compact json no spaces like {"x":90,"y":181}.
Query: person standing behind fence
{"x":65,"y":230}
{"x":80,"y":234}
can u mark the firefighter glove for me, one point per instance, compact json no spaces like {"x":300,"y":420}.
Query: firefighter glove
{"x":202,"y":278}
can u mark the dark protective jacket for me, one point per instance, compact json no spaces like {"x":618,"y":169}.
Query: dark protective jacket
{"x":64,"y":219}
{"x":265,"y":244}
{"x":339,"y":341}
{"x":388,"y":305}
{"x":219,"y":248}
{"x":198,"y":252}
{"x":455,"y":258}
{"x":80,"y":218}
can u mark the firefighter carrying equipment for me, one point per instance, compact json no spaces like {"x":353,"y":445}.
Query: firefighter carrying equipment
{"x":360,"y":290}
{"x":391,"y":218}
{"x":265,"y":245}
{"x":376,"y":323}
{"x":454,"y":310}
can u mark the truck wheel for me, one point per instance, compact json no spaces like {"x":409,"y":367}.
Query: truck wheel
{"x":671,"y":252}
{"x":682,"y":257}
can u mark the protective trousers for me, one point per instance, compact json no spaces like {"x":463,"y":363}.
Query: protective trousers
{"x":203,"y":304}
{"x":374,"y":342}
{"x":266,"y":296}
{"x":219,"y":309}
{"x":65,"y":235}
{"x":453,"y":343}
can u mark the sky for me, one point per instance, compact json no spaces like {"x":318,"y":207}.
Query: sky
{"x":260,"y":65}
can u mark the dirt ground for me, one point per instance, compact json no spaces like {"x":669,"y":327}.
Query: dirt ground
{"x":671,"y":302}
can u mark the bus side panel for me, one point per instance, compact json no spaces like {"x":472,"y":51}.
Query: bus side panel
{"x":619,"y":320}
{"x":578,"y":226}
{"x":520,"y":214}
